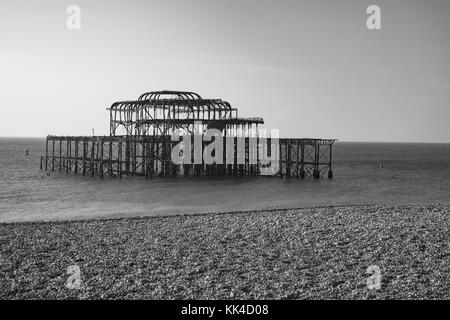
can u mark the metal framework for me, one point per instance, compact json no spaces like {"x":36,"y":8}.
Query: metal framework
{"x":162,"y":112}
{"x":140,"y":142}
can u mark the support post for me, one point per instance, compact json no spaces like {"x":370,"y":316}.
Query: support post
{"x":101,"y":158}
{"x":76,"y":155}
{"x":288,"y":158}
{"x":119,"y":159}
{"x":67,"y":154}
{"x":84,"y":157}
{"x":92,"y":158}
{"x":298,"y":158}
{"x":110,"y":160}
{"x":53,"y":155}
{"x":316,"y":173}
{"x":60,"y":154}
{"x":330,"y":171}
{"x":46,"y":153}
{"x":302,"y":164}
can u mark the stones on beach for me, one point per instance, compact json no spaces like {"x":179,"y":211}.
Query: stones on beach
{"x":294,"y":254}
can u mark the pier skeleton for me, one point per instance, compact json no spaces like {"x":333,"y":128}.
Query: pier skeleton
{"x":140,"y":142}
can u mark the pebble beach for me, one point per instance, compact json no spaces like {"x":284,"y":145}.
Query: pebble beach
{"x":311,"y":253}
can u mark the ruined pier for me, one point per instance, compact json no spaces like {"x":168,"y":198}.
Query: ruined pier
{"x":142,"y":143}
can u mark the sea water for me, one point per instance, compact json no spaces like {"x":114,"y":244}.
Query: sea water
{"x":364,"y":173}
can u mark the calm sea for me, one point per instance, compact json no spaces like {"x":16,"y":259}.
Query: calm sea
{"x":411,"y":174}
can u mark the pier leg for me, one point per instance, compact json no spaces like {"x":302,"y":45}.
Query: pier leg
{"x":110,"y":160}
{"x":144,"y":158}
{"x":281,"y":157}
{"x":152,"y":156}
{"x":76,"y":156}
{"x":302,"y":164}
{"x":53,"y":155}
{"x":316,"y":173}
{"x":119,"y":161}
{"x":288,"y":158}
{"x":134,"y":155}
{"x":101,"y":159}
{"x":298,"y":158}
{"x":145,"y":166}
{"x":67,"y":154}
{"x":60,"y":155}
{"x":46,"y":153}
{"x":330,"y":171}
{"x":93,"y":158}
{"x":84,"y":157}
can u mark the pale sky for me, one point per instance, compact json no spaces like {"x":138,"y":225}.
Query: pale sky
{"x":309,"y":68}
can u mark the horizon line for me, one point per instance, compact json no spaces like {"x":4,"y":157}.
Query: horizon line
{"x":337,"y":140}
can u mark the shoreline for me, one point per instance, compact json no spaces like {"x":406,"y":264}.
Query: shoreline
{"x":100,"y":218}
{"x":132,"y":216}
{"x":306,"y":253}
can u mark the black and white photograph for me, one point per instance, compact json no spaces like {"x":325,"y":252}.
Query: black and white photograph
{"x":225,"y":155}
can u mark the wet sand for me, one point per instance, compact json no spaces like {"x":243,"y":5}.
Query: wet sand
{"x":272,"y":254}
